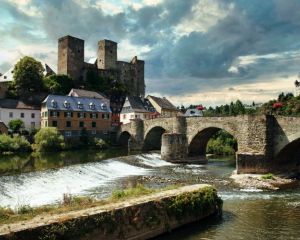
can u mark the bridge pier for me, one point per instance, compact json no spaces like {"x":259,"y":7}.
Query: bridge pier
{"x":136,"y":140}
{"x":252,"y":163}
{"x":174,"y":147}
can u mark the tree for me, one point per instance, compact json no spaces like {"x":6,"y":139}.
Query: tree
{"x":15,"y":125}
{"x":58,"y":84}
{"x":48,"y":139}
{"x":28,"y":77}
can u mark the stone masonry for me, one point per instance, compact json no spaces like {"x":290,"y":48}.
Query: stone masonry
{"x":71,"y":62}
{"x":260,"y":138}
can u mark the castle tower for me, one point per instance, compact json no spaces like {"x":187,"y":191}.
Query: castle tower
{"x":107,"y":54}
{"x":139,"y":76}
{"x":70,"y":57}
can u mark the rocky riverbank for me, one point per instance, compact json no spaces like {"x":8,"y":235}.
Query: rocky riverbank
{"x":263,"y":181}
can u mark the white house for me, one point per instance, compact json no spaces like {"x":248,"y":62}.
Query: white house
{"x":137,"y":108}
{"x":194,"y":112}
{"x":11,"y":109}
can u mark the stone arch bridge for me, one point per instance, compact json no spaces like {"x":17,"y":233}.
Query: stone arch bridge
{"x":265,"y":142}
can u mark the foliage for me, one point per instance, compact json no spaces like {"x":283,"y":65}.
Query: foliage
{"x":58,"y":84}
{"x":99,"y":143}
{"x":16,"y":143}
{"x":28,"y":78}
{"x":231,"y":109}
{"x":48,"y":139}
{"x":139,"y":190}
{"x":15,"y":125}
{"x":222,"y":143}
{"x":290,"y":105}
{"x":268,"y":176}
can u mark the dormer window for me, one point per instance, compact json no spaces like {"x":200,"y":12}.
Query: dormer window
{"x":103,"y":106}
{"x":92,"y":105}
{"x":66,"y":104}
{"x":53,"y":103}
{"x":80,"y":105}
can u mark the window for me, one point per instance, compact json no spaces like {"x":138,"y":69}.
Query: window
{"x":68,"y":124}
{"x":32,"y":115}
{"x":53,"y":103}
{"x":11,"y":114}
{"x":22,"y":115}
{"x":103,"y":106}
{"x":68,"y":133}
{"x":93,"y":124}
{"x":68,"y":114}
{"x":94,"y":115}
{"x":46,"y":114}
{"x":92,"y":106}
{"x":94,"y":132}
{"x":105,"y":115}
{"x":46,"y":123}
{"x":54,"y":123}
{"x":66,"y":104}
{"x":54,"y":114}
{"x":80,"y":115}
{"x":32,"y":125}
{"x":124,"y":116}
{"x":81,"y":124}
{"x":80,"y":105}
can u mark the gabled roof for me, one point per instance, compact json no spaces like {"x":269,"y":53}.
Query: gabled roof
{"x":163,"y":102}
{"x":138,"y":104}
{"x":85,"y":93}
{"x":8,"y":76}
{"x":73,"y":104}
{"x":16,"y":104}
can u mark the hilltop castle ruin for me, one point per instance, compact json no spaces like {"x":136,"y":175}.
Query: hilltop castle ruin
{"x":71,"y":62}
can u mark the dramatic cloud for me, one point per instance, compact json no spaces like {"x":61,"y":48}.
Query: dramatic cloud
{"x":195,"y":48}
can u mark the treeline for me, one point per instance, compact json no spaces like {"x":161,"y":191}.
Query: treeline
{"x":285,"y":104}
{"x":30,"y":85}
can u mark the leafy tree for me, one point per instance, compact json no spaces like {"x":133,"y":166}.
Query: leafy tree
{"x":58,"y":84}
{"x":15,"y":125}
{"x":16,"y":143}
{"x":28,"y":77}
{"x":48,"y":139}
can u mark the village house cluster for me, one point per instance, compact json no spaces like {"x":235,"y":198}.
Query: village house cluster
{"x":82,"y":109}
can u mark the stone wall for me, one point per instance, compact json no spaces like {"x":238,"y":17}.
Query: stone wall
{"x":138,"y":218}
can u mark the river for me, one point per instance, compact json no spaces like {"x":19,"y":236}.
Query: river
{"x":248,"y":213}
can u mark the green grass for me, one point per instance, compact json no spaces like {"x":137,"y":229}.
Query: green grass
{"x":268,"y":176}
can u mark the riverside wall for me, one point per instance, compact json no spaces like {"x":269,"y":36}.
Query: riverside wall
{"x":137,"y":218}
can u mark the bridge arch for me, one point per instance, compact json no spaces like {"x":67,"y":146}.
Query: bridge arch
{"x":288,"y":158}
{"x":124,"y":138}
{"x":197,"y":142}
{"x":152,"y":138}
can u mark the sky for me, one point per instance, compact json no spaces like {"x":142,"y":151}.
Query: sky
{"x":206,"y":52}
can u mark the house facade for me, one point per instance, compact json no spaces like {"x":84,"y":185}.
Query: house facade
{"x":137,"y":108}
{"x":163,"y":106}
{"x":11,"y":109}
{"x":72,"y":115}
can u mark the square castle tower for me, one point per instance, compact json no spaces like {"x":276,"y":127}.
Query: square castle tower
{"x":71,"y":62}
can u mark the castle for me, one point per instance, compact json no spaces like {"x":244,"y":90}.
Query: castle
{"x":71,"y":62}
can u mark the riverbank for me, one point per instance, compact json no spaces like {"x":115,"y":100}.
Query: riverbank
{"x":136,"y":218}
{"x":263,"y":181}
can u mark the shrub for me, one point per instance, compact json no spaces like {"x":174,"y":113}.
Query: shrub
{"x":268,"y":176}
{"x":99,"y":143}
{"x":16,"y":143}
{"x":48,"y":139}
{"x":16,"y":124}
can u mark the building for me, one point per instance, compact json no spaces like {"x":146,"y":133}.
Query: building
{"x":193,"y":112}
{"x":137,"y":108}
{"x":8,"y":77}
{"x":3,"y":128}
{"x":115,"y":116}
{"x":11,"y":109}
{"x":297,"y":88}
{"x":71,"y":62}
{"x":163,"y":106}
{"x":73,"y":114}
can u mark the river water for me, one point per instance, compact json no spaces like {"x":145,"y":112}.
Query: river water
{"x":248,"y":213}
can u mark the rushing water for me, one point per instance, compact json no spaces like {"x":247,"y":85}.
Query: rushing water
{"x":248,"y":214}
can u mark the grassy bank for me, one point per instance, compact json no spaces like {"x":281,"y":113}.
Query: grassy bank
{"x":71,"y":203}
